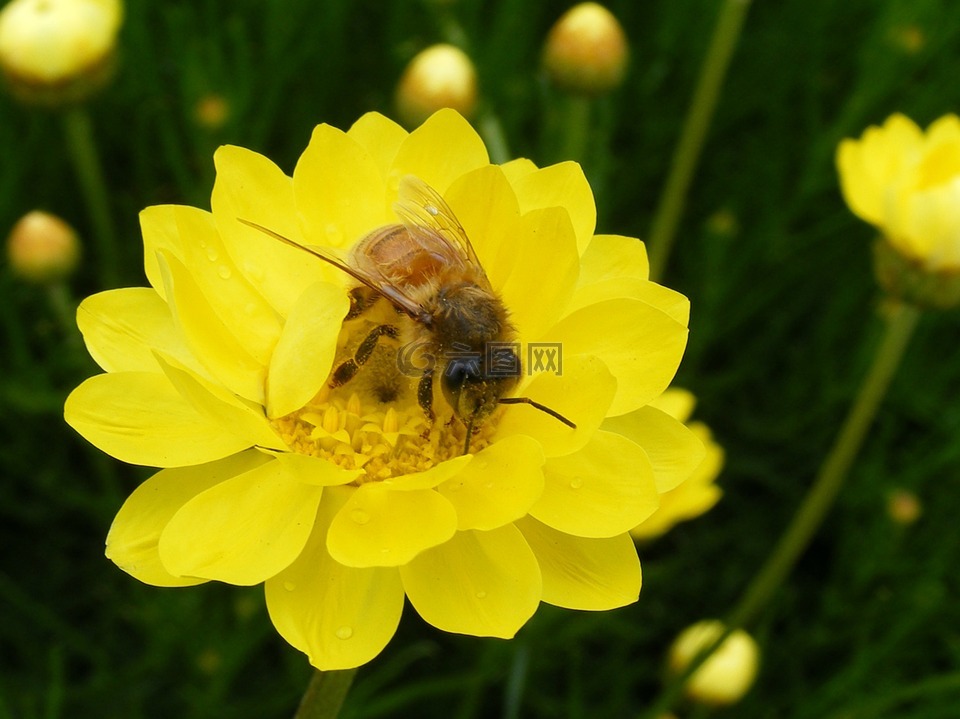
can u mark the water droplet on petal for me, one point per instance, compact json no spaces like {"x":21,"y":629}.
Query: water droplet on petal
{"x":334,"y":235}
{"x":212,"y":254}
{"x":224,"y":272}
{"x":344,"y":632}
{"x":253,"y":271}
{"x":576,"y":483}
{"x":289,"y":586}
{"x":359,"y":516}
{"x":481,"y":594}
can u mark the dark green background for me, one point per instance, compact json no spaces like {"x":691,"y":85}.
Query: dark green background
{"x":783,"y":325}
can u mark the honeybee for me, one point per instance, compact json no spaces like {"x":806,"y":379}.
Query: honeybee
{"x":427,"y":269}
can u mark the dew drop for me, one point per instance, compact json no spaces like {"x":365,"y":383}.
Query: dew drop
{"x":334,"y":235}
{"x":224,"y":272}
{"x":344,"y":632}
{"x":576,"y":483}
{"x":212,"y":254}
{"x":289,"y":586}
{"x":254,"y":272}
{"x":481,"y":594}
{"x":359,"y":516}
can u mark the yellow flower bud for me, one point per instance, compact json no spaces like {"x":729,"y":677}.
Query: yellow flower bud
{"x":43,"y":248}
{"x":904,"y":507}
{"x":438,"y":77}
{"x":729,"y":672}
{"x":586,"y":51}
{"x":906,"y":182}
{"x":211,"y":111}
{"x":54,"y":52}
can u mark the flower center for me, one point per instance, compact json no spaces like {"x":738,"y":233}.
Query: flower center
{"x":385,"y":440}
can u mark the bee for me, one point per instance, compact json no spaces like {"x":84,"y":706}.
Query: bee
{"x":427,"y":269}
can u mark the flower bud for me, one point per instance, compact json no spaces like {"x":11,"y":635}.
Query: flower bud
{"x":586,"y":51}
{"x":42,"y":248}
{"x":904,"y":507}
{"x":438,"y":77}
{"x":727,"y":674}
{"x":211,"y":111}
{"x":54,"y":52}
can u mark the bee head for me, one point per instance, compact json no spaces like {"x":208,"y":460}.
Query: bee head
{"x":474,"y":381}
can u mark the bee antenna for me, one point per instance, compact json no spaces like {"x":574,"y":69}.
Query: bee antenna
{"x":543,"y":408}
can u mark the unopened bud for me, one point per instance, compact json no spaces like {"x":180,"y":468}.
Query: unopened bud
{"x":211,"y":111}
{"x":54,"y":52}
{"x":586,"y":51}
{"x":727,"y":674}
{"x":43,"y":248}
{"x":440,"y":76}
{"x":904,"y":507}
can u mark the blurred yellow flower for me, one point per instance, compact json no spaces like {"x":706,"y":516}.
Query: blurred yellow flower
{"x":907,"y":183}
{"x":727,"y":675}
{"x":586,"y":51}
{"x":43,"y":248}
{"x":438,"y":77}
{"x":698,"y":493}
{"x":56,"y":51}
{"x":344,"y":499}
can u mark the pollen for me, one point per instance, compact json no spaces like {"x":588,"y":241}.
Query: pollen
{"x":385,"y":441}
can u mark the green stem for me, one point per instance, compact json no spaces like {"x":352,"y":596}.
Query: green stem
{"x":820,"y":497}
{"x":491,"y":130}
{"x":684,"y":162}
{"x":576,"y":128}
{"x":65,"y":309}
{"x":86,"y":163}
{"x":325,"y":694}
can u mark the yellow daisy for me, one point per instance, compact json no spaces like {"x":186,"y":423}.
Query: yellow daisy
{"x":698,"y":493}
{"x":345,"y":499}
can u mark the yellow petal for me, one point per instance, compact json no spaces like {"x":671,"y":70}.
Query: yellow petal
{"x":678,"y":403}
{"x":581,"y":393}
{"x":515,"y":169}
{"x":339,"y":190}
{"x":579,"y":573}
{"x":672,"y":303}
{"x":210,"y":340}
{"x":641,"y":345}
{"x":158,"y":225}
{"x":380,"y":136}
{"x":234,"y":300}
{"x":138,"y":417}
{"x":487,"y":208}
{"x":380,"y":527}
{"x":499,"y":485}
{"x":543,"y":247}
{"x":562,"y":185}
{"x":304,"y":355}
{"x":135,"y":533}
{"x":243,"y":530}
{"x":340,"y":617}
{"x":439,"y":151}
{"x":486,"y":584}
{"x":674,"y":450}
{"x":610,"y":256}
{"x":250,"y":187}
{"x":219,"y":406}
{"x":316,"y":470}
{"x":605,"y":489}
{"x":122,"y":328}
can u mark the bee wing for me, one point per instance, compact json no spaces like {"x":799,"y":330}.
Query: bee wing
{"x":429,"y":220}
{"x":391,"y":291}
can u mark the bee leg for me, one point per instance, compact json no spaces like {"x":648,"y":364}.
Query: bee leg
{"x":425,"y":393}
{"x":361,"y":299}
{"x":345,"y":372}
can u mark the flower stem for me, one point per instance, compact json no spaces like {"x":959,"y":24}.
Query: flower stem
{"x":325,"y":694}
{"x":576,"y":128}
{"x":684,"y":162}
{"x":820,"y":497}
{"x":86,"y":163}
{"x":491,"y":130}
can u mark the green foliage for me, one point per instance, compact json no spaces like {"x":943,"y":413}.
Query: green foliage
{"x":784,"y":324}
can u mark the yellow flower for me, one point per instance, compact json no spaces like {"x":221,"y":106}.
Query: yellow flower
{"x":729,"y":672}
{"x":56,"y":51}
{"x":906,"y":182}
{"x":586,"y":51}
{"x":698,"y":493}
{"x":438,"y":77}
{"x":344,"y":500}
